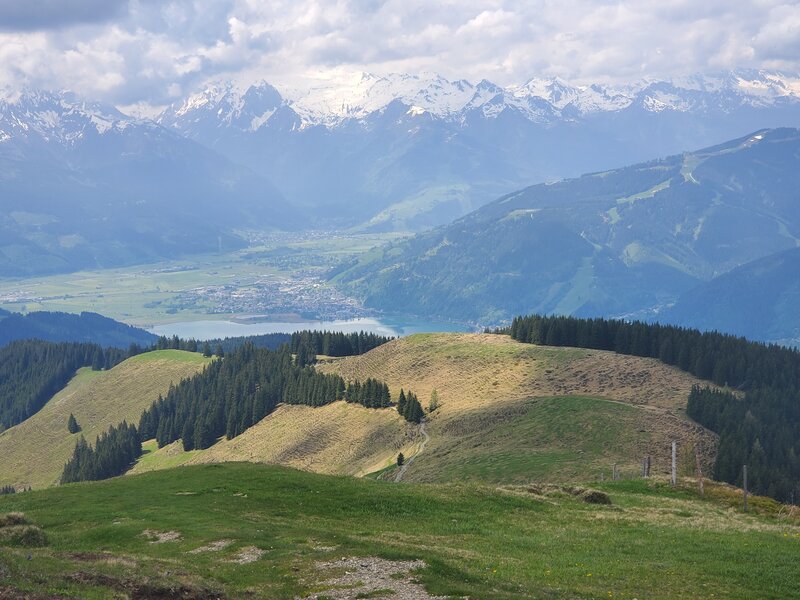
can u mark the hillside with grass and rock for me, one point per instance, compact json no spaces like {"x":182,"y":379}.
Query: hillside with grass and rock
{"x":231,"y":531}
{"x":506,"y":412}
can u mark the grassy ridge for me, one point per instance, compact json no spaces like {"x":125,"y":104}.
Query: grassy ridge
{"x":513,"y":412}
{"x":34,"y":452}
{"x":509,"y":412}
{"x":653,"y":542}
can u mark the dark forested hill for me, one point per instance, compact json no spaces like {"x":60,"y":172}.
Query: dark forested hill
{"x":31,"y":371}
{"x":758,"y":300}
{"x":620,"y":242}
{"x":67,"y":327}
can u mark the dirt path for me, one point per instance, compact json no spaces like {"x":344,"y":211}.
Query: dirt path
{"x":406,"y":464}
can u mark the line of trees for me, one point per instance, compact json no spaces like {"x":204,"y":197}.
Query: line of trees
{"x":32,"y":371}
{"x":334,"y":343}
{"x":228,"y":397}
{"x":232,"y":395}
{"x":372,"y":393}
{"x":760,"y":428}
{"x":724,"y":359}
{"x":114,"y":452}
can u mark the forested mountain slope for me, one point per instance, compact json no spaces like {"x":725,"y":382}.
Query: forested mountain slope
{"x":758,"y":300}
{"x":66,"y":327}
{"x":621,"y":242}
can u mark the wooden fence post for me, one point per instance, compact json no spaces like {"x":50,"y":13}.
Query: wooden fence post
{"x":674,"y":464}
{"x":699,"y":468}
{"x":744,"y":485}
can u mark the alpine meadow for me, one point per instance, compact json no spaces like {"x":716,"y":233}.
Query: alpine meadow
{"x":399,"y":300}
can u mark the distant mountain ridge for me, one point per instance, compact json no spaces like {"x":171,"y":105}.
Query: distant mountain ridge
{"x":626,"y":242}
{"x":541,"y":100}
{"x":83,"y":185}
{"x":67,"y":327}
{"x":411,"y":151}
{"x":758,"y":300}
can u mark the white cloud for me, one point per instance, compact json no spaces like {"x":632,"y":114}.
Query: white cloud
{"x":148,"y":51}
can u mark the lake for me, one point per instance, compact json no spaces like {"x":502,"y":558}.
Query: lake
{"x":389,"y":326}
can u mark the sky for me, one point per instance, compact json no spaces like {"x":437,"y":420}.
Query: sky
{"x":150,"y":53}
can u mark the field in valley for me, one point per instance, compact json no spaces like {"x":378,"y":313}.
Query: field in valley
{"x":185,"y":290}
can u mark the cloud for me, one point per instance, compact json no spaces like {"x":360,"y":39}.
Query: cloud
{"x":27,"y":15}
{"x":153,"y":51}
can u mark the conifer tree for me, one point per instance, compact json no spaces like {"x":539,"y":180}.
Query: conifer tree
{"x":72,"y":424}
{"x":401,"y":403}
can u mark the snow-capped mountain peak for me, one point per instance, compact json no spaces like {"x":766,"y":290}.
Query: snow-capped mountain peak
{"x":333,"y":101}
{"x":56,"y":116}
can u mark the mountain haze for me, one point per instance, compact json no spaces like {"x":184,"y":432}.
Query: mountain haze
{"x":83,"y":185}
{"x":621,"y":242}
{"x":411,"y":151}
{"x":757,"y":300}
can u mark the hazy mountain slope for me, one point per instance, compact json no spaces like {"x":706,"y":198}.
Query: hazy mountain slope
{"x":409,"y":151}
{"x":84,"y":186}
{"x":34,"y":452}
{"x":758,"y":300}
{"x":611,"y":243}
{"x":66,"y":327}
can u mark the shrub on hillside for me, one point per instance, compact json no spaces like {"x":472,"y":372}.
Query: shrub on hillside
{"x":26,"y":536}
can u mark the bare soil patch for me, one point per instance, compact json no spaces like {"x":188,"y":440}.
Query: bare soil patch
{"x":248,"y":555}
{"x":212,"y":547}
{"x":161,"y":537}
{"x":371,"y":577}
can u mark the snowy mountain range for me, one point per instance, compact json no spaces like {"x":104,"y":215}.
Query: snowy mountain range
{"x":540,"y":100}
{"x":412,"y":151}
{"x":395,"y":152}
{"x":82,"y":185}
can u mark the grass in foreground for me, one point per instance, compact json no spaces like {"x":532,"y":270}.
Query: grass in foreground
{"x":652,"y":542}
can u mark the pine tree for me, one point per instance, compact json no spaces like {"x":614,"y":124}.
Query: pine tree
{"x":72,"y":424}
{"x":401,"y":403}
{"x":400,"y":459}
